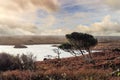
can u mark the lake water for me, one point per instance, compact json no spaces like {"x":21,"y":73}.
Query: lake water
{"x":40,"y":51}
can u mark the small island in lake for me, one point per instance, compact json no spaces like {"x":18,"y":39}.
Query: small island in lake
{"x":20,"y":46}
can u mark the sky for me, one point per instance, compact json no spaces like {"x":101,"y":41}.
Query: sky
{"x":59,"y":17}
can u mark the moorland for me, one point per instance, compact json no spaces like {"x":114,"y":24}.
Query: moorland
{"x":106,"y":66}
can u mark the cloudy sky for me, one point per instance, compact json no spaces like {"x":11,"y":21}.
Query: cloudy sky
{"x":59,"y":17}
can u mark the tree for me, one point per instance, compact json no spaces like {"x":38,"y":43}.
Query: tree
{"x":68,"y":48}
{"x":57,"y":51}
{"x":79,"y":42}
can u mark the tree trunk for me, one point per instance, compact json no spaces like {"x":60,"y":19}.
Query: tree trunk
{"x":90,"y":55}
{"x":83,"y":54}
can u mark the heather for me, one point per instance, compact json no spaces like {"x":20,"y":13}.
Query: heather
{"x":74,"y":68}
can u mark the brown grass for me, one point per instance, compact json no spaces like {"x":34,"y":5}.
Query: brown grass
{"x":71,"y":69}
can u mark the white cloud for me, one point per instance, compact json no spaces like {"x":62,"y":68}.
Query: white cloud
{"x":5,"y":30}
{"x":59,"y":31}
{"x":18,"y":17}
{"x":52,"y":32}
{"x":105,"y":27}
{"x":48,"y":21}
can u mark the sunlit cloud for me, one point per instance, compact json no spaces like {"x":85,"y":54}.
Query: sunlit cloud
{"x":105,"y":27}
{"x":59,"y":17}
{"x":114,"y":4}
{"x":18,"y":17}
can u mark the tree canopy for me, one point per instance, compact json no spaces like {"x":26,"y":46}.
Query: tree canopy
{"x":77,"y":42}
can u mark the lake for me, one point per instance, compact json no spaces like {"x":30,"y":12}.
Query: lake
{"x":40,"y":51}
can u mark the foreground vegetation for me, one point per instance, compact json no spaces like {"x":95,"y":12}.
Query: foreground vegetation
{"x":21,"y":62}
{"x":106,"y":67}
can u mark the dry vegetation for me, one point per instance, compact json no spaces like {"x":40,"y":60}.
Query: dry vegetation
{"x":108,"y":45}
{"x":71,"y":69}
{"x":106,"y":67}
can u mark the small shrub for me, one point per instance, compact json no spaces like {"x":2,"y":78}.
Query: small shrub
{"x":28,"y":61}
{"x":6,"y":61}
{"x":10,"y":62}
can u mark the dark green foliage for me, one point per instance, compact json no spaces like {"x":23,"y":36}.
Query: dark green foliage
{"x":68,"y":48}
{"x":79,"y":42}
{"x":65,"y":46}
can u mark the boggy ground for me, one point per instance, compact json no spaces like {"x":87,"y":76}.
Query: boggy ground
{"x":106,"y":67}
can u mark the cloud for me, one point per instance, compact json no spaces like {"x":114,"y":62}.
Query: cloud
{"x":5,"y":31}
{"x":48,"y":21}
{"x":58,"y":31}
{"x":29,"y":5}
{"x":105,"y":27}
{"x":52,"y":32}
{"x":114,"y":4}
{"x":7,"y":23}
{"x":18,"y":17}
{"x":34,"y":17}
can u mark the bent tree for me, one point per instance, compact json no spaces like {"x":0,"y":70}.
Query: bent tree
{"x":77,"y":42}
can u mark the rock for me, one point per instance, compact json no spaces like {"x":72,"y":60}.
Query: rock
{"x":20,"y":46}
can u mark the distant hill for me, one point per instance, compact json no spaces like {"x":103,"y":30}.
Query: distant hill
{"x":12,"y":40}
{"x":108,"y":38}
